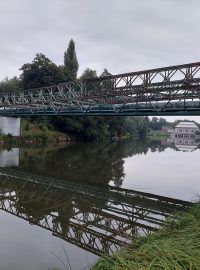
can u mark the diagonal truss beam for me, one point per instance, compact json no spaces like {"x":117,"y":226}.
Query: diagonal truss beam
{"x":168,"y":90}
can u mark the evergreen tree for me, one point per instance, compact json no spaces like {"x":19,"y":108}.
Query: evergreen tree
{"x":71,"y":62}
{"x":106,"y":84}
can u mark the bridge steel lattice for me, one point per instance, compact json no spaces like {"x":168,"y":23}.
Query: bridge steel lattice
{"x":173,"y":90}
{"x":99,"y":221}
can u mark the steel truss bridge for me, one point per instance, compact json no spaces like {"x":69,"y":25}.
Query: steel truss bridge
{"x":99,"y":220}
{"x":173,"y":90}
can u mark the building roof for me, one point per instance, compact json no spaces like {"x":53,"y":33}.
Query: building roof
{"x":186,"y":125}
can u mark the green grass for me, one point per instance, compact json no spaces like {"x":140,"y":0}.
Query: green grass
{"x":7,"y":138}
{"x":40,"y":132}
{"x":176,"y":246}
{"x":33,"y":132}
{"x":157,"y":134}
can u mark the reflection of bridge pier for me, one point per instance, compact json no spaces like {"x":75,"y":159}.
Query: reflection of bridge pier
{"x":12,"y":126}
{"x":10,"y":158}
{"x":96,"y":219}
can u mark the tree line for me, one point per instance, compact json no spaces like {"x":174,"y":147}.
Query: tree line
{"x":43,"y":72}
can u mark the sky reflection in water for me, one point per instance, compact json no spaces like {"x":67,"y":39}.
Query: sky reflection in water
{"x":152,"y":167}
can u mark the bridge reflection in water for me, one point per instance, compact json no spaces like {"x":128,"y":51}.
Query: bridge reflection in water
{"x":99,"y":220}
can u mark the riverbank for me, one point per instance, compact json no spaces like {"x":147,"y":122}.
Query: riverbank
{"x":175,"y":246}
{"x":157,"y":134}
{"x":41,"y":136}
{"x":65,"y":129}
{"x":35,"y":133}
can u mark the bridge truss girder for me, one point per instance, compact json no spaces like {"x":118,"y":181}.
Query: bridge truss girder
{"x":168,"y":90}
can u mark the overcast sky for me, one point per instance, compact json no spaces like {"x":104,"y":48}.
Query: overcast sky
{"x":120,"y":35}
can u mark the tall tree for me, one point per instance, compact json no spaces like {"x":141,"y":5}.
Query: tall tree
{"x":106,"y":84}
{"x":71,"y":62}
{"x":41,"y":72}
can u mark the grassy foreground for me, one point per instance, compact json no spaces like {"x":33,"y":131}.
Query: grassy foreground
{"x":176,"y":246}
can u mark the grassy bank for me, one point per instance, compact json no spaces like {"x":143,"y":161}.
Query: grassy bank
{"x":7,"y":139}
{"x":176,"y":246}
{"x":157,"y":134}
{"x":34,"y":132}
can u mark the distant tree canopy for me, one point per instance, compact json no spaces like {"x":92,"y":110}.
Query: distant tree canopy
{"x":10,"y":85}
{"x":41,"y":72}
{"x":107,"y":83}
{"x":158,"y":123}
{"x":101,"y":127}
{"x":88,"y":74}
{"x":105,"y":73}
{"x":70,"y":62}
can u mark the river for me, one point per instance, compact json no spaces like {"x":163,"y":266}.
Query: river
{"x":70,"y":204}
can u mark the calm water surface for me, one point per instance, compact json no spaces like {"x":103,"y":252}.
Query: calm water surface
{"x":87,"y":199}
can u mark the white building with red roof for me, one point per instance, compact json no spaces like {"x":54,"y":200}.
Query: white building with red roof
{"x":186,"y":129}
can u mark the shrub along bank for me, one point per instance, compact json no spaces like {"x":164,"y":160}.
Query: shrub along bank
{"x":34,"y":132}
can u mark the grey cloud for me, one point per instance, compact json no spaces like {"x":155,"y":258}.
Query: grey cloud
{"x":121,"y":35}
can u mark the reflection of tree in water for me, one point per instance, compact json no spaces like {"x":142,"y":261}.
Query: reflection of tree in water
{"x":37,"y":201}
{"x":156,"y":146}
{"x":86,"y":162}
{"x":31,"y":201}
{"x":79,"y":162}
{"x":118,"y":172}
{"x":161,"y":145}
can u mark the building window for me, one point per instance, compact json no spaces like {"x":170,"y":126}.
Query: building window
{"x":186,"y":130}
{"x":180,"y":130}
{"x":192,"y":131}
